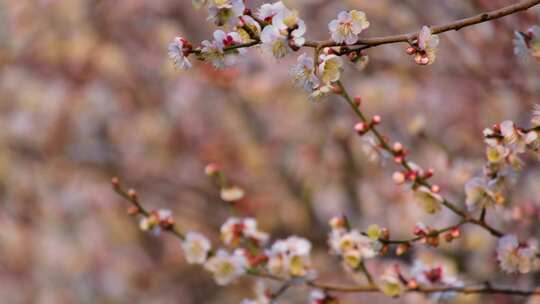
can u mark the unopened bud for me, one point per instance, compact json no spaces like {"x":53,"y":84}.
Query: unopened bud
{"x":455,"y":232}
{"x":358,"y":101}
{"x":361,"y":128}
{"x":132,"y":194}
{"x":398,"y":159}
{"x":410,"y":50}
{"x":398,"y":147}
{"x":385,"y":233}
{"x":398,"y":177}
{"x":402,"y":249}
{"x":435,"y":188}
{"x":412,"y":284}
{"x":384,"y":249}
{"x":211,"y":169}
{"x":336,"y":89}
{"x":133,"y":210}
{"x":376,"y":119}
{"x":115,"y":182}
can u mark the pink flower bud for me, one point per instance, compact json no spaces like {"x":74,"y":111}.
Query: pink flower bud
{"x":361,"y":128}
{"x":435,"y":188}
{"x":398,"y":177}
{"x":376,"y":119}
{"x":398,"y":147}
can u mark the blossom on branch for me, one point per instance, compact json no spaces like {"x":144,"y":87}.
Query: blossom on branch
{"x":226,"y":267}
{"x":234,"y":230}
{"x":290,"y":258}
{"x":348,"y":26}
{"x":215,"y":50}
{"x":196,"y":247}
{"x":179,"y":49}
{"x":515,"y":257}
{"x":225,"y":11}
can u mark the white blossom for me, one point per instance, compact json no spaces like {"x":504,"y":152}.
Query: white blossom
{"x":290,"y":258}
{"x":178,"y":53}
{"x":390,"y":284}
{"x":215,"y":50}
{"x":479,"y":194}
{"x":274,"y":42}
{"x":226,"y":267}
{"x":267,"y":11}
{"x":196,"y":247}
{"x":353,"y":247}
{"x":234,"y":229}
{"x":303,"y":73}
{"x":225,"y":11}
{"x":329,"y":69}
{"x":348,"y":26}
{"x":515,"y":257}
{"x":429,"y":201}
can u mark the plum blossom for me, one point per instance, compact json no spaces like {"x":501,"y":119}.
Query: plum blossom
{"x":290,"y":258}
{"x":329,"y":69}
{"x":528,"y":43}
{"x":479,"y":194}
{"x":196,"y":247}
{"x":235,"y":229}
{"x":267,"y":11}
{"x":156,"y":221}
{"x":427,"y":276}
{"x":225,"y":11}
{"x":179,"y":49}
{"x":215,"y":50}
{"x":226,"y":267}
{"x":426,"y":47}
{"x":303,"y":73}
{"x":274,"y":42}
{"x":353,"y":247}
{"x":284,"y":36}
{"x":515,"y":257}
{"x":429,"y":201}
{"x":390,"y":284}
{"x":348,"y":26}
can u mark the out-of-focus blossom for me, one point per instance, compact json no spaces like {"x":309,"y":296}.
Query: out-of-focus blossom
{"x":225,"y":11}
{"x":262,"y":296}
{"x":231,"y":193}
{"x":290,"y":258}
{"x":303,"y":73}
{"x":353,"y":247}
{"x":535,"y":120}
{"x":178,"y":51}
{"x":348,"y":26}
{"x":196,"y":247}
{"x":427,"y":47}
{"x":515,"y":257}
{"x":318,"y":296}
{"x":528,"y":43}
{"x":215,"y":50}
{"x":427,"y":276}
{"x":235,"y":229}
{"x":390,"y":284}
{"x":429,"y":201}
{"x":156,"y":220}
{"x":197,"y":4}
{"x":479,"y":194}
{"x":226,"y":267}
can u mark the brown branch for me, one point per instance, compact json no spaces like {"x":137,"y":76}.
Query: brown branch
{"x":366,"y":43}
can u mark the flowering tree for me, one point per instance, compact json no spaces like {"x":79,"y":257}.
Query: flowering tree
{"x":279,"y":32}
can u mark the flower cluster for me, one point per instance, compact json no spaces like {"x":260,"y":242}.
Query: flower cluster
{"x":285,"y":31}
{"x":527,"y":43}
{"x":351,"y":245}
{"x":425,"y":47}
{"x":290,"y":258}
{"x":504,"y":143}
{"x":235,"y":230}
{"x":156,"y":221}
{"x":514,"y":256}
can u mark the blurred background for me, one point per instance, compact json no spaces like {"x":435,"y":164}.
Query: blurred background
{"x":87,"y":92}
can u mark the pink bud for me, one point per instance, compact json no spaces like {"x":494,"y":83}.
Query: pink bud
{"x":398,"y":147}
{"x":398,"y":177}
{"x":361,"y":128}
{"x":410,"y":50}
{"x":358,"y":100}
{"x":376,"y":119}
{"x":435,"y":188}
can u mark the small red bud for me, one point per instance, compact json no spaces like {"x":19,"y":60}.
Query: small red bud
{"x":376,"y":119}
{"x":361,"y":128}
{"x":398,"y":147}
{"x":132,"y":194}
{"x":455,"y":232}
{"x":448,"y":237}
{"x":399,"y":160}
{"x":336,"y":89}
{"x":410,"y":50}
{"x":358,"y":100}
{"x":435,"y":188}
{"x":402,"y":249}
{"x":133,"y":210}
{"x":412,"y":284}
